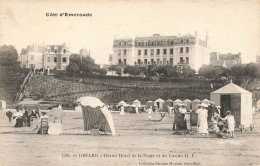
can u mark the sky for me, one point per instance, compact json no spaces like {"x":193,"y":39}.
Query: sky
{"x":232,"y":25}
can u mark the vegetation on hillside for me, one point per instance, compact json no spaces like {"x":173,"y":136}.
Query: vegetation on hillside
{"x":84,"y":65}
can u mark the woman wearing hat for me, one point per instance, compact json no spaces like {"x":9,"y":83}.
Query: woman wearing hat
{"x":202,"y":119}
{"x":181,"y":120}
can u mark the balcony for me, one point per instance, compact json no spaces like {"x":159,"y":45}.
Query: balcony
{"x":183,"y":63}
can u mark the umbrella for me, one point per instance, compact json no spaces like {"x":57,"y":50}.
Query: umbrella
{"x":90,"y":101}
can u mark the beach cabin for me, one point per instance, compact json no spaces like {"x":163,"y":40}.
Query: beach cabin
{"x":137,"y":103}
{"x":169,"y":103}
{"x":194,"y":104}
{"x":206,"y":101}
{"x":159,"y":102}
{"x":233,"y":98}
{"x":176,"y":102}
{"x":187,"y":102}
{"x":149,"y":103}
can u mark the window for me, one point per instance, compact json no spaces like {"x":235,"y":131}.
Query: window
{"x":187,"y":40}
{"x":48,"y":59}
{"x":151,"y":51}
{"x":55,"y":51}
{"x":119,"y":61}
{"x":119,"y":52}
{"x":187,"y":49}
{"x":164,"y":60}
{"x":158,"y":61}
{"x":119,"y":43}
{"x":64,"y":59}
{"x":145,"y":52}
{"x":181,"y":50}
{"x":158,"y":51}
{"x":171,"y":51}
{"x":139,"y":52}
{"x":139,"y":61}
{"x":32,"y":57}
{"x":164,"y":51}
{"x":181,"y":59}
{"x":125,"y":61}
{"x":181,"y":41}
{"x":152,"y":61}
{"x":124,"y":51}
{"x":171,"y":42}
{"x":64,"y":51}
{"x":171,"y":60}
{"x":187,"y":59}
{"x":55,"y":59}
{"x":145,"y":61}
{"x":152,"y":43}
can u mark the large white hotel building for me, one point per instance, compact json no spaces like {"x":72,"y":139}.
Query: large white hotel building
{"x":182,"y":51}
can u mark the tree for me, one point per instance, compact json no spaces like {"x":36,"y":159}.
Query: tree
{"x":133,"y":70}
{"x":8,"y":56}
{"x":209,"y":71}
{"x":72,"y":68}
{"x":251,"y":70}
{"x":237,"y":70}
{"x":86,"y":64}
{"x":188,"y":72}
{"x":115,"y":68}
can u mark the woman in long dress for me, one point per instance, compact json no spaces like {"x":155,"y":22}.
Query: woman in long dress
{"x":122,"y":110}
{"x":181,"y":120}
{"x":202,"y":119}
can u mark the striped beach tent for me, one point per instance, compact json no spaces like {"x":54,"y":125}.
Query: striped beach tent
{"x":96,"y":115}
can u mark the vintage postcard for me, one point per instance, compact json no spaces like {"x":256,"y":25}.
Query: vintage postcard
{"x":129,"y":82}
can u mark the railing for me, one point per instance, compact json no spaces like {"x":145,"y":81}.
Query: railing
{"x":20,"y":93}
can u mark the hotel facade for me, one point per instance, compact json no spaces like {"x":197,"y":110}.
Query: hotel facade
{"x":46,"y":57}
{"x":182,"y":51}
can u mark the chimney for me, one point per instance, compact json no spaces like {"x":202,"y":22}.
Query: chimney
{"x":207,"y":42}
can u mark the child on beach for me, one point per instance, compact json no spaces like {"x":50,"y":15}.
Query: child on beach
{"x":231,"y":123}
{"x":150,"y":112}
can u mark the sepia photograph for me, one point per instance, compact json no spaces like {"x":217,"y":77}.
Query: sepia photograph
{"x":129,"y":82}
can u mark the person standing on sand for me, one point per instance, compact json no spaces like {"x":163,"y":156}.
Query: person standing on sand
{"x":150,"y":112}
{"x":202,"y":119}
{"x":122,"y":110}
{"x":231,"y":123}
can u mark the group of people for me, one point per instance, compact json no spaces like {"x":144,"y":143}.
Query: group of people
{"x":23,"y":118}
{"x":208,"y":119}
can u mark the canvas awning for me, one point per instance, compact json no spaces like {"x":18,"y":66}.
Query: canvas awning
{"x":94,"y":112}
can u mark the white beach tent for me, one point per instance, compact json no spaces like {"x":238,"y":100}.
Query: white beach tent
{"x":137,"y":103}
{"x":235,"y":99}
{"x":187,"y":102}
{"x":205,"y":101}
{"x":194,"y":104}
{"x":149,"y":103}
{"x":93,"y":110}
{"x":177,"y":101}
{"x":123,"y":103}
{"x":159,"y":102}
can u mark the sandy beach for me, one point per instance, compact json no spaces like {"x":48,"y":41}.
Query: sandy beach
{"x":138,"y":142}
